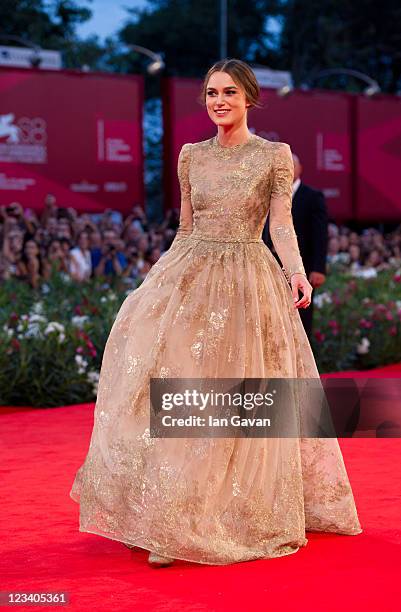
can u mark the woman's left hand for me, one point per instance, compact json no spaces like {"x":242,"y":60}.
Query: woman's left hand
{"x":299,"y":281}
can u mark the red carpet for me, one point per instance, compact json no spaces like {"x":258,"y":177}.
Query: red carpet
{"x":42,"y":549}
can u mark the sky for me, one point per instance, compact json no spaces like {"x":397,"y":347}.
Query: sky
{"x":108,"y":16}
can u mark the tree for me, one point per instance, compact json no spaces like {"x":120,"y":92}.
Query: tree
{"x":362,"y":35}
{"x":187,"y":33}
{"x":52,"y":25}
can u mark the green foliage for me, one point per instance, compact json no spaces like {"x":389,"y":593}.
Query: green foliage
{"x":44,"y":23}
{"x":357,"y":322}
{"x":187,"y":33}
{"x":52,"y":25}
{"x":52,"y":339}
{"x":361,"y":35}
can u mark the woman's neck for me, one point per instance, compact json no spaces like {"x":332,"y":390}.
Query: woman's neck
{"x":230,"y":136}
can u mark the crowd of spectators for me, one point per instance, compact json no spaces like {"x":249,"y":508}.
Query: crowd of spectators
{"x":80,"y":245}
{"x":87,"y":245}
{"x":365,"y":253}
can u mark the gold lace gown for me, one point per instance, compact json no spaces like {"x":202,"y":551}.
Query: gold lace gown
{"x":216,"y":304}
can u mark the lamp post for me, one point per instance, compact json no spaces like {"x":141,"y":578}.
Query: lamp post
{"x":223,"y":29}
{"x":157,"y":63}
{"x":372,"y":86}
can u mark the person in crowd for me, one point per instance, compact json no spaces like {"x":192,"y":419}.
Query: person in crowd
{"x":108,"y":260}
{"x":12,"y":251}
{"x":95,"y":239}
{"x":31,"y":263}
{"x":395,"y":256}
{"x":375,"y":260}
{"x":334,"y":252}
{"x":133,"y":267}
{"x":144,"y":270}
{"x":4,"y":269}
{"x":355,"y":259}
{"x":55,"y":259}
{"x":80,"y":264}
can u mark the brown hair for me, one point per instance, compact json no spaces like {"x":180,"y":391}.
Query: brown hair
{"x":241,"y":73}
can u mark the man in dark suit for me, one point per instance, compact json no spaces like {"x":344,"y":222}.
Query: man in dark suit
{"x":310,"y":220}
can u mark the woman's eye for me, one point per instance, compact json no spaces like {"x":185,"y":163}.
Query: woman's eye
{"x":212,"y":93}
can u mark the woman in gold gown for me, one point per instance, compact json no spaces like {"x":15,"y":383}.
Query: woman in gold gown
{"x":216,"y":304}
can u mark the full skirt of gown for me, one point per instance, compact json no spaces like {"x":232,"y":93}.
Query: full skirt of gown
{"x":207,"y":308}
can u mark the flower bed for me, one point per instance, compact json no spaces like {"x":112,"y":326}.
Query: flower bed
{"x":357,"y":321}
{"x":52,"y":339}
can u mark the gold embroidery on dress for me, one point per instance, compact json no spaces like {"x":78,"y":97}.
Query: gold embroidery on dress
{"x":216,"y":304}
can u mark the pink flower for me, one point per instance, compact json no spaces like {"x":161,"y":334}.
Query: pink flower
{"x":80,"y":350}
{"x":15,"y":344}
{"x":365,"y":324}
{"x":393,"y":330}
{"x":389,"y":316}
{"x":397,"y":278}
{"x":319,"y":336}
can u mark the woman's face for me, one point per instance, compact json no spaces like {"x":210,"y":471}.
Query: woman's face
{"x":83,"y":241}
{"x":225,"y":101}
{"x":65,"y":247}
{"x":31,"y":249}
{"x":354,"y":252}
{"x":154,"y":256}
{"x":55,"y":250}
{"x":95,"y":239}
{"x":375,"y":258}
{"x":63,"y":229}
{"x":353,"y":238}
{"x":51,"y":225}
{"x":143,"y":243}
{"x":334,"y":245}
{"x":15,"y":241}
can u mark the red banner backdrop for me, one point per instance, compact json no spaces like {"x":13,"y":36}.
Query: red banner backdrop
{"x":378,"y":158}
{"x":316,"y":124}
{"x":76,"y":135}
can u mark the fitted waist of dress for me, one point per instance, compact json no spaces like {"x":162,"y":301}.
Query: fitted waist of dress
{"x":210,"y":238}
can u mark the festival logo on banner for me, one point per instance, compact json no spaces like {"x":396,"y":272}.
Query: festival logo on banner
{"x":23,"y":140}
{"x":89,"y":159}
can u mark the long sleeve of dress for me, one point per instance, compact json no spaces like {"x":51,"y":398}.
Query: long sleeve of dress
{"x":185,"y":224}
{"x":281,"y":225}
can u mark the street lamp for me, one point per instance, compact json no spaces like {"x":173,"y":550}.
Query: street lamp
{"x":157,"y":63}
{"x":372,"y":85}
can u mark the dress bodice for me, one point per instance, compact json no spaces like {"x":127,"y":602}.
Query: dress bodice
{"x":227,"y":193}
